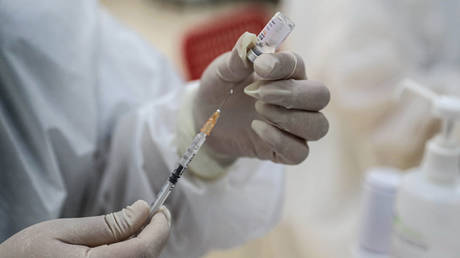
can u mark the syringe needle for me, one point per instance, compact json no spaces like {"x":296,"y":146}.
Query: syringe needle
{"x":225,"y":100}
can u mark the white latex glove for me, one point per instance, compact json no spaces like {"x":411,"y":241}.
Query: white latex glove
{"x":100,"y":236}
{"x":274,"y":119}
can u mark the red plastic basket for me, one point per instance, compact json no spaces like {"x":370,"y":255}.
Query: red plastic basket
{"x":209,"y":40}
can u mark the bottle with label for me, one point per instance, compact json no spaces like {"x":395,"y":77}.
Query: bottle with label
{"x":427,"y":211}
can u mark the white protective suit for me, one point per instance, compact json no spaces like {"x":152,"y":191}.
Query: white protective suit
{"x":88,"y":118}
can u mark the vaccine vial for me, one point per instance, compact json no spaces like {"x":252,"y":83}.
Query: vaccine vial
{"x":271,"y":37}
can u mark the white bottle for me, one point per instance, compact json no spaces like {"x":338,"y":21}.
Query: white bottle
{"x":377,"y":212}
{"x":427,"y":212}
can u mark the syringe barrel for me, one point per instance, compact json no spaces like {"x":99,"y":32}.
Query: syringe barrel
{"x":193,"y":149}
{"x":161,"y":198}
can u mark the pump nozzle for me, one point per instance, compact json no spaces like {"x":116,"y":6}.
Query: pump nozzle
{"x":447,"y":108}
{"x":440,"y":161}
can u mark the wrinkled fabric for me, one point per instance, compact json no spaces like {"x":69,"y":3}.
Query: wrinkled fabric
{"x":88,"y":125}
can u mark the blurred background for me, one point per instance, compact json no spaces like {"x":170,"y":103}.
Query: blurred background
{"x":360,"y":49}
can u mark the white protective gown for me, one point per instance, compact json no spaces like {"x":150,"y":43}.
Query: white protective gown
{"x":88,"y":118}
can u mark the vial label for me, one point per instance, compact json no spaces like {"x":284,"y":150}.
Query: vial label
{"x":274,"y":33}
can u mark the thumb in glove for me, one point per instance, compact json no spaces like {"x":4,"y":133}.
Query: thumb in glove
{"x":100,"y":236}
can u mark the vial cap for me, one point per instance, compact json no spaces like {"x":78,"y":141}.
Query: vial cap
{"x":251,"y":55}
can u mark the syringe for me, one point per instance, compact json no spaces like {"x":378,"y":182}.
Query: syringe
{"x":185,"y":160}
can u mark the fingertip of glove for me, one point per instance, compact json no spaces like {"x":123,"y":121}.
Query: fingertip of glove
{"x":157,"y":232}
{"x":163,"y":214}
{"x":246,"y":41}
{"x":266,"y":132}
{"x":265,"y":64}
{"x":253,"y":89}
{"x":137,"y":212}
{"x":258,"y":126}
{"x":258,"y":106}
{"x":235,"y":66}
{"x":167,"y":214}
{"x":140,"y":206}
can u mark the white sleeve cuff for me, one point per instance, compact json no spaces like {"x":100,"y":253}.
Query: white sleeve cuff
{"x":203,"y":165}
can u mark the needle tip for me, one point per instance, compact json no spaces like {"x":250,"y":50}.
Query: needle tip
{"x":225,"y":100}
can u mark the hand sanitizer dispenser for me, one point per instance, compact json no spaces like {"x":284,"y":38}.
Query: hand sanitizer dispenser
{"x":427,"y":212}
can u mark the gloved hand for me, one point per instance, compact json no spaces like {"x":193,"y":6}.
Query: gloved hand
{"x":100,"y":236}
{"x":273,"y":112}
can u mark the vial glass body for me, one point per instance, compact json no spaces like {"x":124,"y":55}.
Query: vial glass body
{"x":270,"y":38}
